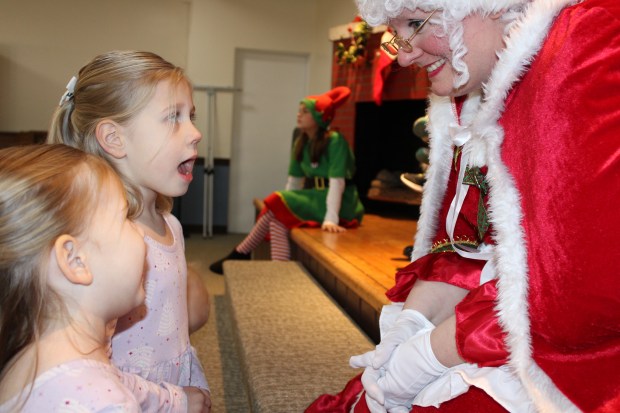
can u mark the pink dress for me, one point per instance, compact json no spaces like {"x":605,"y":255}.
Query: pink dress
{"x":91,"y":386}
{"x":152,"y":341}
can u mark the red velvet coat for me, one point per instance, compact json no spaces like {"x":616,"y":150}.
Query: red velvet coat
{"x":548,"y":130}
{"x":562,"y":148}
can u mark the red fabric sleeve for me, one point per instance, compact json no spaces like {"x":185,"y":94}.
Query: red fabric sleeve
{"x":447,"y":267}
{"x":474,"y":401}
{"x":338,"y":403}
{"x":479,"y":338}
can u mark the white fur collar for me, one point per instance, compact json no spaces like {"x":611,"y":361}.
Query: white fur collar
{"x":522,"y":44}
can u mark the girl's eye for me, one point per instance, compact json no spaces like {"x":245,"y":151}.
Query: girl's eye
{"x":192,"y":117}
{"x":173,"y":117}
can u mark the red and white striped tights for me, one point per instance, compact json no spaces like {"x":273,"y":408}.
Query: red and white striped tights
{"x":280,"y":247}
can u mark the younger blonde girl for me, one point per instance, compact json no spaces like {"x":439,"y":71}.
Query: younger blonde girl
{"x":70,"y":262}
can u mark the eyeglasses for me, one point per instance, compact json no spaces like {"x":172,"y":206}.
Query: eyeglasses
{"x":397,"y":43}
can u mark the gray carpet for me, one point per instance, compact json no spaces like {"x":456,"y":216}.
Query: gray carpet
{"x":214,"y":342}
{"x":295,"y":340}
{"x":324,"y":361}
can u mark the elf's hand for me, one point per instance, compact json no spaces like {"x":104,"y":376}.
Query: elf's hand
{"x":331,"y":227}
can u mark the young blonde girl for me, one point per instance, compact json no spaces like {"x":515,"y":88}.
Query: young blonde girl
{"x":70,"y":262}
{"x":135,"y":110}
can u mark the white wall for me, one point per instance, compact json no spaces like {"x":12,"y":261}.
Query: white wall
{"x":219,"y":27}
{"x":44,"y":42}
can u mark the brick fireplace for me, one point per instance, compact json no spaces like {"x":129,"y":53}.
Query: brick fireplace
{"x":381,"y":135}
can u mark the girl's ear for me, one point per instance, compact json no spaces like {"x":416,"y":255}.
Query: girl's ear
{"x":110,"y":138}
{"x":72,"y":261}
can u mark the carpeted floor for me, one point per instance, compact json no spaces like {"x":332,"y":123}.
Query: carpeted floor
{"x":214,"y":342}
{"x":295,"y":340}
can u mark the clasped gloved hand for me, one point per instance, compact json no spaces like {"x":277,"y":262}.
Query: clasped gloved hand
{"x":411,"y":367}
{"x":407,"y":324}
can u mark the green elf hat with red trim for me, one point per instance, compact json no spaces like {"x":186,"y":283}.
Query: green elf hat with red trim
{"x":322,"y":107}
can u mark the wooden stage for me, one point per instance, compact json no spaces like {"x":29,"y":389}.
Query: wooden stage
{"x":358,"y":266}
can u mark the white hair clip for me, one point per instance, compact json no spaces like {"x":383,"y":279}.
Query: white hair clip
{"x":68,"y":95}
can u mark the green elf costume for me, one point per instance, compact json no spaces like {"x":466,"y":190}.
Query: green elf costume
{"x":312,"y":182}
{"x":319,"y":191}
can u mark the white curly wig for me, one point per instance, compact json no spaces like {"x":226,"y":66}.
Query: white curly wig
{"x":450,"y":16}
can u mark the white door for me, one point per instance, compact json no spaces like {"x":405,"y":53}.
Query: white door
{"x":272,"y":84}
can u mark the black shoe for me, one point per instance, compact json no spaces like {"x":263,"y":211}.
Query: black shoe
{"x":218,"y":266}
{"x":407,"y":251}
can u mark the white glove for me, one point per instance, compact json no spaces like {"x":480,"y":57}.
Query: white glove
{"x":372,"y":392}
{"x":411,"y":367}
{"x":407,"y":324}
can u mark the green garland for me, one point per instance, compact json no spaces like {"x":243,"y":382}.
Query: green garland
{"x":356,"y":52}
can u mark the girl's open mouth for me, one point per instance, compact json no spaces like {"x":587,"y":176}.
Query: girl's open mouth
{"x":186,"y":168}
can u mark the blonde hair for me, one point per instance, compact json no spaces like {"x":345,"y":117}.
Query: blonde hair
{"x":45,"y":191}
{"x":113,"y":86}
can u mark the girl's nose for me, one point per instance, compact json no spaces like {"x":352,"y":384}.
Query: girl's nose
{"x":194,"y":134}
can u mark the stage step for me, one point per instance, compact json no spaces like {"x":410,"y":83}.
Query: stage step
{"x":294,"y":341}
{"x":357,"y":267}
